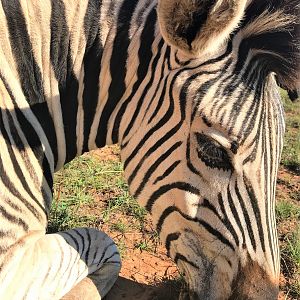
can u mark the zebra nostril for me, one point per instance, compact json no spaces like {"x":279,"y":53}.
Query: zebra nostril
{"x":193,"y":296}
{"x":246,"y":286}
{"x":188,"y":295}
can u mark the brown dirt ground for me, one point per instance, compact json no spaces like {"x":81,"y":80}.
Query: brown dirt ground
{"x":151,"y":274}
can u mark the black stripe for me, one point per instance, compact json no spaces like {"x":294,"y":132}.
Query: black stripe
{"x":234,"y":212}
{"x":6,"y":234}
{"x":214,"y":61}
{"x":269,"y":203}
{"x":178,"y":60}
{"x":11,"y":218}
{"x":216,"y":233}
{"x":82,"y":241}
{"x":183,"y":186}
{"x":150,"y":84}
{"x":153,"y":167}
{"x":17,"y":142}
{"x":147,"y":135}
{"x":31,"y":137}
{"x":28,"y":70}
{"x":162,"y":122}
{"x":152,"y":150}
{"x":171,"y":209}
{"x":204,"y":88}
{"x":256,"y":140}
{"x":92,"y":66}
{"x":11,"y":203}
{"x":104,"y":252}
{"x":161,"y":99}
{"x":225,"y":219}
{"x":163,"y":217}
{"x":72,"y":238}
{"x":153,"y":71}
{"x":118,"y":69}
{"x":61,"y":60}
{"x":170,"y":238}
{"x":256,"y":210}
{"x":167,"y":172}
{"x":246,"y":216}
{"x":181,"y":257}
{"x":252,"y":110}
{"x":88,"y":246}
{"x":144,"y":57}
{"x":108,"y":258}
{"x":35,"y":145}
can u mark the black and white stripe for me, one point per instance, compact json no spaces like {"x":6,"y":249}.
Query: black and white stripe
{"x":193,"y":104}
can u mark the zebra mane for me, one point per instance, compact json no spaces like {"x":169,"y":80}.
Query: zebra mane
{"x":273,"y":27}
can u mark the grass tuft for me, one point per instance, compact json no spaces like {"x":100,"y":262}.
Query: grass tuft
{"x":287,"y":210}
{"x":290,"y":254}
{"x":291,"y":149}
{"x":143,"y":246}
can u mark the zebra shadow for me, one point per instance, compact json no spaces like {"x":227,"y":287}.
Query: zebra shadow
{"x":126,"y":289}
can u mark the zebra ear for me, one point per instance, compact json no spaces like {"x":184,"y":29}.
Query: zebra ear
{"x":198,"y":26}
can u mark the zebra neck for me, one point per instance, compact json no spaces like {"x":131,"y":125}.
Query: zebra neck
{"x":127,"y":63}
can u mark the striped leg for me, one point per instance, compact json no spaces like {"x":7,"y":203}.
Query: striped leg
{"x":49,"y":266}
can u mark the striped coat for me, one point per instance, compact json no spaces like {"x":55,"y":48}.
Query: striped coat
{"x":187,"y":89}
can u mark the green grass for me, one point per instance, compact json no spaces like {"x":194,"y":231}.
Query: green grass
{"x":120,"y":227}
{"x":291,"y":148}
{"x":287,"y":207}
{"x":127,"y":205}
{"x":80,"y":186}
{"x":287,"y":210}
{"x":290,"y":253}
{"x":293,"y":246}
{"x":143,"y":246}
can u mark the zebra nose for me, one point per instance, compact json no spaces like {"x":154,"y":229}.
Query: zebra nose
{"x":253,"y":283}
{"x":188,"y":295}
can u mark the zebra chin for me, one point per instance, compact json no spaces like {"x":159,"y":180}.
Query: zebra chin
{"x":212,"y":284}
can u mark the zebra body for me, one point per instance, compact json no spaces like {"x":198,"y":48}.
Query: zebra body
{"x":198,"y":118}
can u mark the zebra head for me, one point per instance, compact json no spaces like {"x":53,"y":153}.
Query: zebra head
{"x":212,"y":137}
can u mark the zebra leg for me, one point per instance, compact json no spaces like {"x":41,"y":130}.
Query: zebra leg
{"x":85,"y":289}
{"x":47,"y":267}
{"x":88,"y":288}
{"x":107,"y":261}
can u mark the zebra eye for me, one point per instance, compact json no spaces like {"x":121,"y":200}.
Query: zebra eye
{"x":212,"y":153}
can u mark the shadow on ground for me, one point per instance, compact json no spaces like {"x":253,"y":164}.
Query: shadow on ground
{"x":126,"y":289}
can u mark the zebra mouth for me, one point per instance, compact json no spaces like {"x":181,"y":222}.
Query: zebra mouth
{"x":188,"y":295}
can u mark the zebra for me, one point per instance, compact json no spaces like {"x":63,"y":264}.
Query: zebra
{"x":188,"y":90}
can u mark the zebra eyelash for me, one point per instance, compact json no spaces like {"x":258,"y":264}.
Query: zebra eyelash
{"x":212,"y":154}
